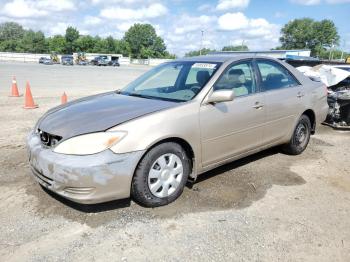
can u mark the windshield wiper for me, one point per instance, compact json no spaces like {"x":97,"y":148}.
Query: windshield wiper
{"x":150,"y":97}
{"x":139,"y":95}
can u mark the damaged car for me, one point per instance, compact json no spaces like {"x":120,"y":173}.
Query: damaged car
{"x":337,"y":79}
{"x":175,"y":122}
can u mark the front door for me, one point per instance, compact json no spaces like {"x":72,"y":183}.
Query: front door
{"x":232,"y":128}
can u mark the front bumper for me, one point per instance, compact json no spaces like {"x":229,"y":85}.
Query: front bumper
{"x":86,"y":179}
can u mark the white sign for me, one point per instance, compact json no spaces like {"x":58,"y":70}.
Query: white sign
{"x":204,"y":65}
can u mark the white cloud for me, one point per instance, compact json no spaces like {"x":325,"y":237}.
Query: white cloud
{"x":59,"y":28}
{"x":32,"y":8}
{"x":317,"y":2}
{"x":21,"y":8}
{"x":92,"y":20}
{"x":249,"y":27}
{"x":337,"y":1}
{"x":119,"y":13}
{"x":110,"y":2}
{"x":124,"y":26}
{"x":233,"y":21}
{"x":232,"y":4}
{"x":306,"y":2}
{"x":55,"y":5}
{"x":159,"y":29}
{"x":186,"y":23}
{"x":228,"y":29}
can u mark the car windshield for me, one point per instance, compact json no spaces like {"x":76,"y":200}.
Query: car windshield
{"x":174,"y":81}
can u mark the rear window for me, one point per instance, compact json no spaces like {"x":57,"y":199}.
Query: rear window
{"x":275,"y":76}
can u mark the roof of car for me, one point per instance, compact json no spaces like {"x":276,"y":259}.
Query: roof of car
{"x":220,"y":58}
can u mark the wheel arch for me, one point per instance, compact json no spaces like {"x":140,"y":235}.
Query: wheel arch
{"x":183,"y":143}
{"x":312,"y":116}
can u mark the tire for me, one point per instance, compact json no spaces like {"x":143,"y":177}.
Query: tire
{"x":164,"y":166}
{"x":300,"y":138}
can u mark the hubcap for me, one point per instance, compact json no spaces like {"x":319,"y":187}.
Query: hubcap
{"x":165,"y":175}
{"x":301,"y":134}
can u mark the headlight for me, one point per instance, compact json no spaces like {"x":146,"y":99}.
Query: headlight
{"x":89,"y":144}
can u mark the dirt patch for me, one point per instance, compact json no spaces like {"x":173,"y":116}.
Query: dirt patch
{"x":339,"y":182}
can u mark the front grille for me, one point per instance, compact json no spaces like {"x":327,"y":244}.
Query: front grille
{"x":47,"y":139}
{"x":42,"y":178}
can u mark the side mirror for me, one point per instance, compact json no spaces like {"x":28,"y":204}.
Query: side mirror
{"x":221,"y":96}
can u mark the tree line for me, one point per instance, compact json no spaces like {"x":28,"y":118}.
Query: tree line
{"x":140,"y":41}
{"x":205,"y":51}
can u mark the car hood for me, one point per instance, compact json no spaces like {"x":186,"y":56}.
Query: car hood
{"x":97,"y":113}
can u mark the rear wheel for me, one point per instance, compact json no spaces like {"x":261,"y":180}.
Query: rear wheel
{"x":300,"y":138}
{"x":161,"y":175}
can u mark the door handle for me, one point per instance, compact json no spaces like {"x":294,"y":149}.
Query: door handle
{"x":300,"y":95}
{"x":257,"y":105}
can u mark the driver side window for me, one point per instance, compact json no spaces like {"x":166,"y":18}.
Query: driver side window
{"x":239,"y":78}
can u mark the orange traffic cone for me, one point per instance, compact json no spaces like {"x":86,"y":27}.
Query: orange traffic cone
{"x":14,"y":90}
{"x":29,"y":101}
{"x":64,"y":98}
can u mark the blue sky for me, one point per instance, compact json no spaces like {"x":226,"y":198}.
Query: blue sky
{"x":256,"y":23}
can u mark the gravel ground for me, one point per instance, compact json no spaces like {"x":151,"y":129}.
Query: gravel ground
{"x":266,"y":207}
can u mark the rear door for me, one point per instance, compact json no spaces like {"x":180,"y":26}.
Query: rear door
{"x":283,"y":99}
{"x":232,"y":128}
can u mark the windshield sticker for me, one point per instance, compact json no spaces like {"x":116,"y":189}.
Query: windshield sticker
{"x":204,"y":65}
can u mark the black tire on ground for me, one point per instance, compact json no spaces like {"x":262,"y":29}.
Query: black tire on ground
{"x":140,"y":189}
{"x":300,"y":138}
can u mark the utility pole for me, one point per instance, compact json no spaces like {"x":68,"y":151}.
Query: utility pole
{"x":200,"y":51}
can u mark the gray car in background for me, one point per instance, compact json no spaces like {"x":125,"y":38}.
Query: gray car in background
{"x":47,"y":61}
{"x":170,"y":125}
{"x":67,"y":60}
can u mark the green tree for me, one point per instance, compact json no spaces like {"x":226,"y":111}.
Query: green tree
{"x":307,"y":33}
{"x":110,"y":45}
{"x":57,"y":44}
{"x":10,"y":35}
{"x":334,"y":54}
{"x":140,"y":41}
{"x":235,"y":48}
{"x":123,"y":47}
{"x":85,"y":43}
{"x":72,"y":34}
{"x":203,"y":51}
{"x":11,"y":31}
{"x":144,"y":42}
{"x":100,"y":45}
{"x":33,"y":42}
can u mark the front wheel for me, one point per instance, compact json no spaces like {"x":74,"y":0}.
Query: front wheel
{"x":161,"y":175}
{"x":300,"y":138}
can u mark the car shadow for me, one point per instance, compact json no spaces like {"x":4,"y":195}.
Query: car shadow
{"x":235,"y":164}
{"x":90,"y":208}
